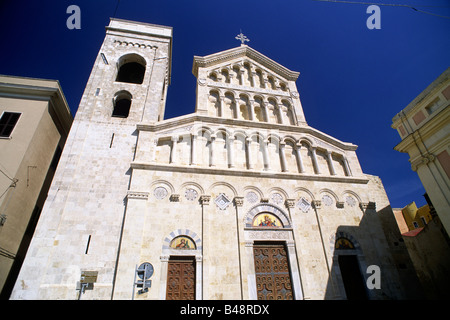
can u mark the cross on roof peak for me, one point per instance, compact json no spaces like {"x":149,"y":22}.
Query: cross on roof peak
{"x":242,"y":38}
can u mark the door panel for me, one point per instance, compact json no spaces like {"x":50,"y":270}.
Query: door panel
{"x":273,"y":281}
{"x":181,"y":279}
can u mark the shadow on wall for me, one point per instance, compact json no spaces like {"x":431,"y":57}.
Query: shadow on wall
{"x":371,"y":261}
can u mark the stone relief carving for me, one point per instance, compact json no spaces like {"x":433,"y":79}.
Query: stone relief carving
{"x":268,"y":235}
{"x":160,"y":193}
{"x":327,"y":200}
{"x":191,"y":194}
{"x":251,"y":197}
{"x":222,"y":201}
{"x":350,"y":201}
{"x":303,"y":204}
{"x":277,"y":198}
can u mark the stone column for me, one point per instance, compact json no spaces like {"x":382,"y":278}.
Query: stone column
{"x":314,"y":159}
{"x":265,"y":80}
{"x":173,"y":155}
{"x":230,"y":142}
{"x":330,"y":163}
{"x":266,"y":111}
{"x":348,"y":173}
{"x":193,"y":149}
{"x":280,"y":112}
{"x":265,"y":154}
{"x":249,"y":153}
{"x":251,"y":114}
{"x":221,"y":103}
{"x":301,"y":169}
{"x":283,"y":157}
{"x":211,"y":155}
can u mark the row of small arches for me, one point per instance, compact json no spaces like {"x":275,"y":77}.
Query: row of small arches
{"x":249,"y":151}
{"x":246,"y":107}
{"x":245,"y":74}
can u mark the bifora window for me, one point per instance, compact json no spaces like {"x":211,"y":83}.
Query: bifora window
{"x":8,"y":121}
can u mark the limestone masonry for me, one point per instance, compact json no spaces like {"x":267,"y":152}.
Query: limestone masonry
{"x":239,"y":200}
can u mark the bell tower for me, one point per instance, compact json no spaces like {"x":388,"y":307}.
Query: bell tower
{"x":80,"y":226}
{"x":129,"y":80}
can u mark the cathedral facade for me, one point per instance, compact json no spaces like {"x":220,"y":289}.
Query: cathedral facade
{"x":239,"y":200}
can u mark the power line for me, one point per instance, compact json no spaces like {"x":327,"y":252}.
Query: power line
{"x":386,"y":4}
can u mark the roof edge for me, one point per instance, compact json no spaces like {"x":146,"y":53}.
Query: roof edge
{"x":243,"y":51}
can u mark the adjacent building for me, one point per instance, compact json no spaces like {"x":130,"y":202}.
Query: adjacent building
{"x":424,"y":127}
{"x":34,"y":123}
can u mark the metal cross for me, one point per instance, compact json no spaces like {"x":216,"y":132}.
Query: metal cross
{"x":242,"y":38}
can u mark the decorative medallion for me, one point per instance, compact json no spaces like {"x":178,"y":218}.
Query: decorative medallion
{"x":160,"y":193}
{"x":222,"y":201}
{"x":252,"y":197}
{"x":277,"y":198}
{"x":303,"y":204}
{"x":327,"y":200}
{"x":350,"y":201}
{"x":191,"y":194}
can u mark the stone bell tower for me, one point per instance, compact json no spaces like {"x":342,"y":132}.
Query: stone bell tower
{"x":81,"y":223}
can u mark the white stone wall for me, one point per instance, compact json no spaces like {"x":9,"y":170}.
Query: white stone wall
{"x":81,"y":223}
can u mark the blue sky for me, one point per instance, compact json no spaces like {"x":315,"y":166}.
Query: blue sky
{"x":352,"y":81}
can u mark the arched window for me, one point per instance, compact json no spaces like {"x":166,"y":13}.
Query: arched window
{"x":122,"y":104}
{"x":343,"y":243}
{"x":183,"y":242}
{"x":267,"y":219}
{"x":131,"y":69}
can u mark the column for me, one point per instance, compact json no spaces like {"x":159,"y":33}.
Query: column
{"x":348,"y":173}
{"x":193,"y":149}
{"x":330,"y":163}
{"x":249,"y":153}
{"x":211,"y":152}
{"x":295,"y":272}
{"x":251,"y":114}
{"x":266,"y":111}
{"x":173,"y":152}
{"x":301,"y":169}
{"x":241,"y":72}
{"x":230,"y":142}
{"x":265,"y":80}
{"x":221,"y":103}
{"x":265,"y":154}
{"x":280,"y":113}
{"x":283,"y":157}
{"x":314,"y":159}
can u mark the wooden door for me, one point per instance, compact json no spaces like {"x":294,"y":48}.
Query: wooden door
{"x":181,"y":279}
{"x":273,"y":280}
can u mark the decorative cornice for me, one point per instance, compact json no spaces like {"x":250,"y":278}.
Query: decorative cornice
{"x":246,"y":173}
{"x":243,"y":51}
{"x":137,"y":195}
{"x":203,"y":119}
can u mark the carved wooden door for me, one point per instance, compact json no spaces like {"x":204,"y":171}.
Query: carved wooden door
{"x":273,"y":281}
{"x":181,"y":279}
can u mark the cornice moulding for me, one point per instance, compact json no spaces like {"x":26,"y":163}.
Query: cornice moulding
{"x":243,"y":51}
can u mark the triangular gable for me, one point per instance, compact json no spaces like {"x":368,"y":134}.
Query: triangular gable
{"x":243,"y":51}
